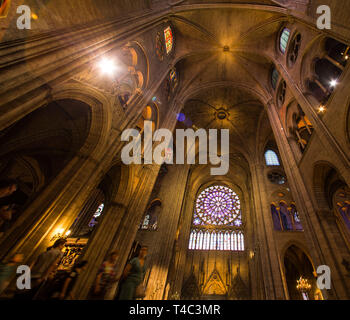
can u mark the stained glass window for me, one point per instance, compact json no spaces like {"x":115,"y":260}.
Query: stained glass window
{"x":276,"y":177}
{"x":274,"y":78}
{"x":98,"y":212}
{"x":284,"y":39}
{"x":227,"y":244}
{"x":172,"y":83}
{"x":173,"y":79}
{"x":159,"y":47}
{"x":168,"y":35}
{"x":218,"y":207}
{"x":271,"y":158}
{"x":216,"y":240}
{"x":286,"y":218}
{"x":145,"y":223}
{"x":192,"y":240}
{"x":206,"y":242}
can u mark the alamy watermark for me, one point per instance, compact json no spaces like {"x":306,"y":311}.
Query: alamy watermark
{"x":323,"y":277}
{"x":24,"y":280}
{"x":323,"y":21}
{"x":163,"y":151}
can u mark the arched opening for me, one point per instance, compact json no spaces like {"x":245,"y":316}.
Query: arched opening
{"x":285,"y":217}
{"x":281,"y":93}
{"x":271,"y":158}
{"x":298,"y":266}
{"x":150,"y":220}
{"x":303,"y":131}
{"x":326,"y":73}
{"x":284,"y":39}
{"x":216,"y":247}
{"x":37,"y":147}
{"x":275,"y":76}
{"x":338,"y":51}
{"x":333,"y":196}
{"x":327,"y":68}
{"x":90,"y":217}
{"x":294,"y":49}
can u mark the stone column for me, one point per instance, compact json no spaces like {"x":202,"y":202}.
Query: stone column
{"x":172,"y":195}
{"x":267,"y":249}
{"x":123,"y":231}
{"x":322,"y":249}
{"x":181,"y":244}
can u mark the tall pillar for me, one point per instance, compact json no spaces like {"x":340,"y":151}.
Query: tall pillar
{"x":123,"y":231}
{"x":172,"y":195}
{"x":323,"y":250}
{"x":267,"y":249}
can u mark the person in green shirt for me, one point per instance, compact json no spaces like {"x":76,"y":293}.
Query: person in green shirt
{"x":133,"y":275}
{"x":7,"y":270}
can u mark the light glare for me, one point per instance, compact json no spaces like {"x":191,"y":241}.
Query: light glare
{"x":333,"y":83}
{"x":107,"y":66}
{"x":321,"y":109}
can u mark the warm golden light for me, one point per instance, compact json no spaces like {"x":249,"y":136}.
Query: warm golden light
{"x":107,"y":66}
{"x":34,"y":16}
{"x":59,"y":233}
{"x":303,"y":285}
{"x":321,"y":109}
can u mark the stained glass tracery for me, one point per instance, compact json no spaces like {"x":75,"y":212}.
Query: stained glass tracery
{"x":284,"y":39}
{"x":97,"y":213}
{"x":271,"y":158}
{"x":168,"y":36}
{"x":218,"y":207}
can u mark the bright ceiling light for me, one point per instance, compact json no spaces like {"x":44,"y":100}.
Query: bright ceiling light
{"x":107,"y":66}
{"x":333,"y":83}
{"x":321,"y":109}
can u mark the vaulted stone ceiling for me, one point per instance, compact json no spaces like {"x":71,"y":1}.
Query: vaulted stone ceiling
{"x":224,"y":62}
{"x":223,"y":51}
{"x":227,"y":108}
{"x":227,"y":45}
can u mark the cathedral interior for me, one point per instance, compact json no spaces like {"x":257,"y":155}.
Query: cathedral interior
{"x":87,"y":70}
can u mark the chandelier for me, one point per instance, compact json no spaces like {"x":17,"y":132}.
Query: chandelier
{"x":303,"y":285}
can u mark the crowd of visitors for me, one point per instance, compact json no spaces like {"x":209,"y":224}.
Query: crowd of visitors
{"x":49,"y":282}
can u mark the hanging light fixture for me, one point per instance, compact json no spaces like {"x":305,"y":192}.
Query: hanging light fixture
{"x":303,"y":286}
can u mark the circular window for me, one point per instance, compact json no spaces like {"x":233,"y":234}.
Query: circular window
{"x":276,"y":178}
{"x":294,"y":50}
{"x":218,"y":205}
{"x":221,"y":114}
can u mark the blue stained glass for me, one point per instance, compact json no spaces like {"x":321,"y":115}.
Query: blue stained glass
{"x":271,"y":158}
{"x":284,"y":40}
{"x":217,"y":206}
